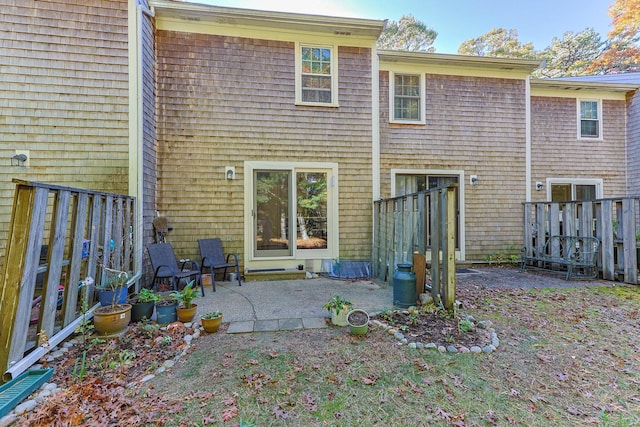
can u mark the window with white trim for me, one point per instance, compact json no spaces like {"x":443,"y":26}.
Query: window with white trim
{"x":316,"y":75}
{"x":589,"y":120}
{"x":406,"y":98}
{"x":576,"y":189}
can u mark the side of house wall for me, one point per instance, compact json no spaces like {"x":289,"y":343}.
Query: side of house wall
{"x":556,"y":151}
{"x":633,"y":144}
{"x":473,"y":124}
{"x":224,"y":100}
{"x":64,"y":96}
{"x":149,"y":148}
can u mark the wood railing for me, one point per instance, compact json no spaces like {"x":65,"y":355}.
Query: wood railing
{"x":415,"y":223}
{"x":616,"y":222}
{"x":86,"y":229}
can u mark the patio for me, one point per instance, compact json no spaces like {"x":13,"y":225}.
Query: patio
{"x":298,"y":304}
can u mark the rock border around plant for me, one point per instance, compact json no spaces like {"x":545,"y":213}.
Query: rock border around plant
{"x":51,"y":388}
{"x":451,"y":349}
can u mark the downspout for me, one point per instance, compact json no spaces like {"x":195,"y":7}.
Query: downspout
{"x":527,"y":95}
{"x":136,"y":125}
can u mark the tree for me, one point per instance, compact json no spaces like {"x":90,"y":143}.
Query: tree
{"x":407,"y":34}
{"x":499,"y":42}
{"x":623,"y":52}
{"x":571,"y":55}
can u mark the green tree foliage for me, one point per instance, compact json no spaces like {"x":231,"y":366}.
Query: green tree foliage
{"x":407,"y":34}
{"x":571,"y":55}
{"x":499,"y":43}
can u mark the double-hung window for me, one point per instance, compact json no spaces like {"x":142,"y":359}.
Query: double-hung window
{"x":589,"y":119}
{"x":406,"y":100}
{"x":316,"y":75}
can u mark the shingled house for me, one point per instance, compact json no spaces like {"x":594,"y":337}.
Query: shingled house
{"x":276,"y":131}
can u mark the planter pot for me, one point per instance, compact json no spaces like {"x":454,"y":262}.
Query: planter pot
{"x":211,"y":325}
{"x":186,"y":314}
{"x":111,"y":320}
{"x":339,"y":319}
{"x":166,"y":312}
{"x":106,"y":297}
{"x":358,"y":321}
{"x":142,"y":310}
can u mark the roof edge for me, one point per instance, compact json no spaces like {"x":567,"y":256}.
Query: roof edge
{"x":578,"y":85}
{"x":527,"y":65}
{"x":359,"y":26}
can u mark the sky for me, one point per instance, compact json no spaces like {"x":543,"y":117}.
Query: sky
{"x":458,"y":20}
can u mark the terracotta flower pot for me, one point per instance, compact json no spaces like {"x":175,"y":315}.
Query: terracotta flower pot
{"x":211,"y":325}
{"x":186,"y":314}
{"x":111,"y":319}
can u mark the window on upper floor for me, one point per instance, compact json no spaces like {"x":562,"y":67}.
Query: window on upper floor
{"x":406,"y":98}
{"x":590,"y":119}
{"x":316,"y":77}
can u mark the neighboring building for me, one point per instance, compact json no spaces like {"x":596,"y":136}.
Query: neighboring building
{"x":276,"y":131}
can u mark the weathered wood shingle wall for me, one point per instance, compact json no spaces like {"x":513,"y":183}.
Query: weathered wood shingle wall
{"x":474,"y":124}
{"x":224,"y":100}
{"x":64,"y":95}
{"x":633,"y":144}
{"x":556,"y":152}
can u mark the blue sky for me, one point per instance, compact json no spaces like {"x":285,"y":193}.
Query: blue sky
{"x":458,"y":20}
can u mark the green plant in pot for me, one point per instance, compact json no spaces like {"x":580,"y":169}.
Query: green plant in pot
{"x":166,"y":309}
{"x":186,"y":311}
{"x":113,"y":316}
{"x":338,"y":308}
{"x":211,"y":321}
{"x":142,"y":304}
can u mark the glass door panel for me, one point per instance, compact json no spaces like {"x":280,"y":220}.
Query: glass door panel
{"x":272,"y":213}
{"x":311,"y":209}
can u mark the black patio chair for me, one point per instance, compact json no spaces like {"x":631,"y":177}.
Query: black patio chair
{"x":165,"y":266}
{"x":213,"y":258}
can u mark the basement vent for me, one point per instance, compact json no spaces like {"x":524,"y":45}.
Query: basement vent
{"x":342,"y":33}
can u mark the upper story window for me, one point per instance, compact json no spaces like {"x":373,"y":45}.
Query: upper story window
{"x":590,"y":119}
{"x":316,"y":79}
{"x":406,"y":98}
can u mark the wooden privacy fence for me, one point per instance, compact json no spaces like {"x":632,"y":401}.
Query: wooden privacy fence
{"x":616,"y":222}
{"x":415,"y":223}
{"x":86,"y":229}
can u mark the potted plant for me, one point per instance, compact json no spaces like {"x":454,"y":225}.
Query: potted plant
{"x":115,"y":316}
{"x":142,"y":304}
{"x":358,"y":321}
{"x":211,"y":321}
{"x":166,"y":309}
{"x":338,"y":308}
{"x":186,"y":311}
{"x":113,"y":289}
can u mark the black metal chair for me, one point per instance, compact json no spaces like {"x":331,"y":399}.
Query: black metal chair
{"x":165,"y":266}
{"x":213,"y":258}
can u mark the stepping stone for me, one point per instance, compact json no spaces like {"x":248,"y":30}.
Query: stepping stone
{"x":240,"y":327}
{"x":290,"y":324}
{"x":314,"y":322}
{"x":266,"y":325}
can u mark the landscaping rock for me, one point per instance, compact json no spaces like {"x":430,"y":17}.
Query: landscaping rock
{"x":475,"y":349}
{"x":26,"y":406}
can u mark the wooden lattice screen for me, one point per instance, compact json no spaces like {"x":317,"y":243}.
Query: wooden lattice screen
{"x":616,"y":222}
{"x":85,"y":229}
{"x":417,"y":223}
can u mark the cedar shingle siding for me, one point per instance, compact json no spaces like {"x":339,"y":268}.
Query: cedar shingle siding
{"x":558,"y":153}
{"x":224,"y":100}
{"x":633,"y":144}
{"x":64,"y":96}
{"x":473,"y":124}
